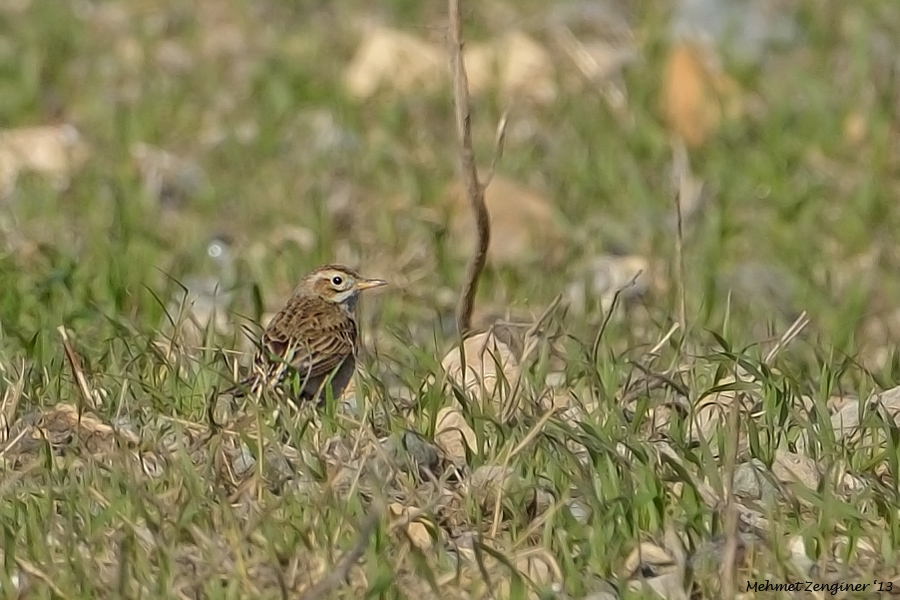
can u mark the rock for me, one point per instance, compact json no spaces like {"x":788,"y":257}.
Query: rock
{"x":54,"y":152}
{"x":580,"y":511}
{"x":490,"y":370}
{"x":603,"y":591}
{"x":744,"y":29}
{"x":516,"y":65}
{"x":63,"y":424}
{"x":851,"y":484}
{"x":697,"y":94}
{"x":536,"y":568}
{"x":169,"y":180}
{"x":712,"y":411}
{"x":707,"y":560}
{"x":802,"y":562}
{"x":667,"y":565}
{"x":412,"y":453}
{"x":387,"y":59}
{"x":243,"y":461}
{"x":599,"y":60}
{"x":487,"y":480}
{"x":525,"y":226}
{"x":889,"y":402}
{"x":750,"y":482}
{"x":649,"y":555}
{"x":602,"y":276}
{"x":790,"y":467}
{"x":454,"y":435}
{"x":396,"y":61}
{"x":762,"y":286}
{"x":846,"y":422}
{"x":416,"y":531}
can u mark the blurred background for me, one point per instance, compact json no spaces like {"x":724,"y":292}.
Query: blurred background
{"x":159,"y":154}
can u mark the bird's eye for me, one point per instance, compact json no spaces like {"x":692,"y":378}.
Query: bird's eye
{"x":337,"y":280}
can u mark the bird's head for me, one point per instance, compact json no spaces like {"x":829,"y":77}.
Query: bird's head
{"x":339,"y":284}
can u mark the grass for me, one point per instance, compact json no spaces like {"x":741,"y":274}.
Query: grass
{"x":160,"y":507}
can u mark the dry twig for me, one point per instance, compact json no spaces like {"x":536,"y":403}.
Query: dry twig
{"x":474,"y":189}
{"x":681,"y":160}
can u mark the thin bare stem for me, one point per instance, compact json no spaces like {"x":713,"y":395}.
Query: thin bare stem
{"x":474,"y":189}
{"x":595,"y":347}
{"x":499,"y":142}
{"x":788,"y":336}
{"x":681,"y":161}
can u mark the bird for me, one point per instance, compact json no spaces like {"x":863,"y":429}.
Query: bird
{"x":315,"y":336}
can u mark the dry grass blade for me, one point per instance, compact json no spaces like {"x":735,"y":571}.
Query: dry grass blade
{"x":10,"y":403}
{"x":75,"y":365}
{"x":594,"y":72}
{"x":474,"y":189}
{"x":532,"y":332}
{"x":30,"y":569}
{"x":12,"y":443}
{"x":664,"y":339}
{"x":788,"y":336}
{"x":499,"y":141}
{"x":582,"y":59}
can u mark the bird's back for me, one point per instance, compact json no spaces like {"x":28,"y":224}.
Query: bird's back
{"x":311,"y":336}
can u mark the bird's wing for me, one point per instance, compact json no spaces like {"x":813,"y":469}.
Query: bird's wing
{"x":311,"y":335}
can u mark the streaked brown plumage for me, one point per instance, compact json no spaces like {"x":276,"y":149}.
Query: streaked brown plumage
{"x":314,"y":335}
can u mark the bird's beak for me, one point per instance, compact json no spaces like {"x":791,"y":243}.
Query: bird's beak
{"x":366,"y":284}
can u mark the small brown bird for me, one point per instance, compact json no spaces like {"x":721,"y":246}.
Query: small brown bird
{"x":314,"y":335}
